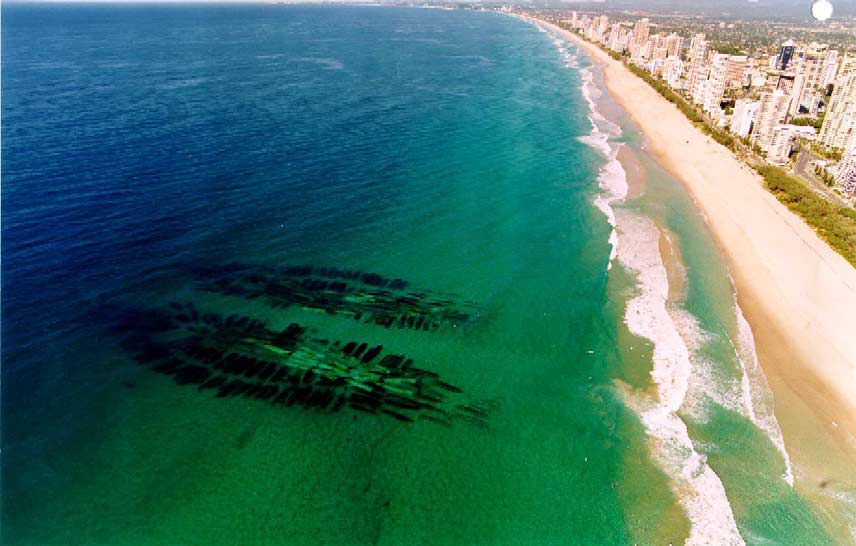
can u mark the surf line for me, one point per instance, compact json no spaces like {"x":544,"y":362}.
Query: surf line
{"x":635,"y":244}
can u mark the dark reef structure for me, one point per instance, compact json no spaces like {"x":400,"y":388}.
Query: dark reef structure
{"x":239,"y":356}
{"x":367,"y":297}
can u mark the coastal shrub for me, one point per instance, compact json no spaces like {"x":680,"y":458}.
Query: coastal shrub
{"x":668,"y":93}
{"x":817,"y":123}
{"x":833,"y":223}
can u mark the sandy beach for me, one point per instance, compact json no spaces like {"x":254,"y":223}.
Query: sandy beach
{"x":798,"y":295}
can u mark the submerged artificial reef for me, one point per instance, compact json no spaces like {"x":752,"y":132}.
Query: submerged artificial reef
{"x":240,"y":356}
{"x":367,"y":297}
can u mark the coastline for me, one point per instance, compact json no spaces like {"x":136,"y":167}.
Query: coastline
{"x":798,"y":295}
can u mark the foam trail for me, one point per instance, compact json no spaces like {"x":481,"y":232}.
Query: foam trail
{"x":749,"y":396}
{"x":635,"y":243}
{"x":693,"y":481}
{"x":612,"y":177}
{"x":756,"y":392}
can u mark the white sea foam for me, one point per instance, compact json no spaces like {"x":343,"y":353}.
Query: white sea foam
{"x":694,"y":482}
{"x":748,"y":395}
{"x":324,"y":62}
{"x":757,"y":397}
{"x":847,"y":501}
{"x":710,"y":384}
{"x":613,"y":182}
{"x":635,"y":243}
{"x":612,"y":177}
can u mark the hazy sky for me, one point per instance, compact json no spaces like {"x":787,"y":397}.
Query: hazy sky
{"x":734,"y":7}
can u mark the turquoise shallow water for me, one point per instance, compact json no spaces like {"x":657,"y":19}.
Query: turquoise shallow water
{"x":146,"y":147}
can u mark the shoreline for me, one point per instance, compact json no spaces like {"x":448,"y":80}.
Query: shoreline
{"x":803,"y":318}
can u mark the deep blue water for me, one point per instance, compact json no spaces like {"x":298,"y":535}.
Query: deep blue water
{"x":140,"y":142}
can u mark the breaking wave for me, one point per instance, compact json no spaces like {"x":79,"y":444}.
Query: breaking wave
{"x":635,"y":243}
{"x":693,"y":481}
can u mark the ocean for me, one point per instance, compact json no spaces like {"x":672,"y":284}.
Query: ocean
{"x":359,"y":275}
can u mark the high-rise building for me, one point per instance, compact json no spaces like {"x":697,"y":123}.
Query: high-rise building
{"x":839,"y":125}
{"x":673,"y":68}
{"x":808,"y":70}
{"x":745,"y":111}
{"x":614,"y":43}
{"x":698,"y":81}
{"x":781,"y":144}
{"x":830,"y":68}
{"x":698,"y":49}
{"x":640,"y":31}
{"x":674,"y":45}
{"x":734,"y":70}
{"x":715,"y":88}
{"x":848,"y":66}
{"x":647,"y":49}
{"x":784,"y":82}
{"x":847,"y":170}
{"x":602,"y":27}
{"x":786,"y":53}
{"x":772,"y":111}
{"x":756,"y":72}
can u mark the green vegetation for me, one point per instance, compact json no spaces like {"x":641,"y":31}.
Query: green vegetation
{"x":833,"y":223}
{"x":834,"y":155}
{"x":728,"y":49}
{"x":668,"y":93}
{"x":808,"y":122}
{"x":824,"y":175}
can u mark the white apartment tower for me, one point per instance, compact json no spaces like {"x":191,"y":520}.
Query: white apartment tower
{"x":735,"y":70}
{"x":847,"y":170}
{"x":640,"y":31}
{"x":673,"y":68}
{"x":781,"y":144}
{"x":715,"y":88}
{"x":674,"y":45}
{"x":839,"y":125}
{"x":848,"y":66}
{"x":830,"y":68}
{"x":745,"y":112}
{"x":809,"y":73}
{"x":698,"y":82}
{"x":614,"y":42}
{"x":698,"y":48}
{"x":602,"y":27}
{"x":772,"y":111}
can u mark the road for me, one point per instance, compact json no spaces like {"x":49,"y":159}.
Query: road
{"x":803,"y":169}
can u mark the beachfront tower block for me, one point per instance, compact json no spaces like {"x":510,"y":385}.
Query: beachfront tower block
{"x":847,"y":170}
{"x":640,"y":31}
{"x":839,"y":125}
{"x":745,"y":112}
{"x":772,"y":111}
{"x":715,"y":88}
